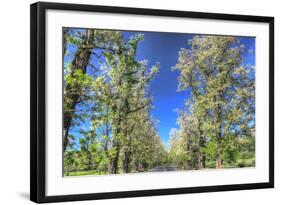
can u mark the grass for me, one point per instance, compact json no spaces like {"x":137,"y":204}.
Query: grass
{"x":238,"y":164}
{"x":85,"y":173}
{"x":209,"y":164}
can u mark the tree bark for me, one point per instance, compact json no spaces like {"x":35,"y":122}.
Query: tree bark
{"x":201,"y":160}
{"x":116,"y":146}
{"x":127,"y":153}
{"x":106,"y":145}
{"x":114,"y":166}
{"x":65,"y":35}
{"x":219,"y":138}
{"x":80,"y":61}
{"x":190,"y":162}
{"x":126,"y":162}
{"x":218,"y":157}
{"x":201,"y":155}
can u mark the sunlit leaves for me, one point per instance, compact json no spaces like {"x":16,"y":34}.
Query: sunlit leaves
{"x":123,"y":129}
{"x":222,"y":91}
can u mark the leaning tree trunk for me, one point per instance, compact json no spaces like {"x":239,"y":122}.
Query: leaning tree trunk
{"x":65,"y":35}
{"x":80,"y":61}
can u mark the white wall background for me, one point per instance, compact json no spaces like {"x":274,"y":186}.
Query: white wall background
{"x":14,"y":101}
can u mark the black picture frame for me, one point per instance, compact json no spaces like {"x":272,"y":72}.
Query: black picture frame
{"x":38,"y":101}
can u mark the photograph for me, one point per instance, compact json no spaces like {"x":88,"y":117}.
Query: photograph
{"x":148,"y":101}
{"x":134,"y":102}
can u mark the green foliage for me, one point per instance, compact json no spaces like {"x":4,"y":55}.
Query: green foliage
{"x":222,"y":101}
{"x":123,"y":136}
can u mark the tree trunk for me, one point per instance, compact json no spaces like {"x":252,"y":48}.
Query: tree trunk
{"x":106,"y":145}
{"x":220,"y":134}
{"x":137,"y":165}
{"x":219,"y":148}
{"x":201,"y":160}
{"x":80,"y":61}
{"x":127,"y":154}
{"x":90,"y":163}
{"x":201,"y":155}
{"x":126,"y":162}
{"x":65,"y":35}
{"x":116,"y":146}
{"x":218,"y":157}
{"x":190,"y":163}
{"x":114,"y":166}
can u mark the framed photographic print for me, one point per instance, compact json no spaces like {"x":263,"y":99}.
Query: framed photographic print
{"x":129,"y":102}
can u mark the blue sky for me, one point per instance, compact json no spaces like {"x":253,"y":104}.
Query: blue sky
{"x":164,"y":48}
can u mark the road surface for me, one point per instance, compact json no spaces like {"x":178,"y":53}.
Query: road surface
{"x":164,"y":168}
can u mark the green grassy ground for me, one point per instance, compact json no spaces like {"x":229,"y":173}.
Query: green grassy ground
{"x":209,"y":165}
{"x":85,"y":173}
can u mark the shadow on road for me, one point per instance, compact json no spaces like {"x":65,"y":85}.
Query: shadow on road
{"x":165,"y":168}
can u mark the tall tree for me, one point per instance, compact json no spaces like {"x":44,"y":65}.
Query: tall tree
{"x":221,"y":85}
{"x":77,"y":82}
{"x":73,"y":90}
{"x":122,"y":89}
